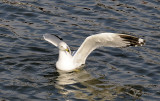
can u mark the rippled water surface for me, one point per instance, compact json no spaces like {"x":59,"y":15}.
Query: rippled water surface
{"x":27,"y":62}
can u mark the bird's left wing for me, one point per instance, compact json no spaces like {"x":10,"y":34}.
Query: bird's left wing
{"x":106,"y":40}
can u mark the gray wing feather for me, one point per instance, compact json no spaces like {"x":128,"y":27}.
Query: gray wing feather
{"x":55,"y":40}
{"x":104,"y":39}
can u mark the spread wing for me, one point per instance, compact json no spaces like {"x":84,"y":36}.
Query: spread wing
{"x":104,"y":39}
{"x":55,"y":40}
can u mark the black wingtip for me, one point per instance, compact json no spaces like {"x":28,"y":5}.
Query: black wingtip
{"x":58,"y":37}
{"x":50,"y":35}
{"x":133,"y":41}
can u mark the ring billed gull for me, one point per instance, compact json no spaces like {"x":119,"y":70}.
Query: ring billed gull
{"x":68,"y":62}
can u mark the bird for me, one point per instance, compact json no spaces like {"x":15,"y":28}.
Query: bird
{"x":70,"y":62}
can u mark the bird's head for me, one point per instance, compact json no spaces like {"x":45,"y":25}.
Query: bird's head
{"x":64,"y":47}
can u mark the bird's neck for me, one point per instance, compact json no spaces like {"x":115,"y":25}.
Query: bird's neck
{"x":65,"y":61}
{"x":64,"y":56}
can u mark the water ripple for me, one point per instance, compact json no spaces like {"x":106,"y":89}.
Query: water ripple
{"x":27,"y":62}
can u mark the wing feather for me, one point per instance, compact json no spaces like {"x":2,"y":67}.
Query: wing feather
{"x":55,"y":40}
{"x":104,"y":39}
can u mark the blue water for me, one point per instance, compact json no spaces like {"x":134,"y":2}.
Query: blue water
{"x":27,"y":61}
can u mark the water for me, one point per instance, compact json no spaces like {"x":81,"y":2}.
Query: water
{"x":27,"y":62}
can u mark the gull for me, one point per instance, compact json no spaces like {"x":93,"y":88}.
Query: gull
{"x":69,"y":62}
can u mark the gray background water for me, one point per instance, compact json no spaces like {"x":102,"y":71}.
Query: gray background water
{"x":27,"y":62}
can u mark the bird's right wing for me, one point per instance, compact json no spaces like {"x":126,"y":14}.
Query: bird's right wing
{"x":106,"y":40}
{"x":55,"y":40}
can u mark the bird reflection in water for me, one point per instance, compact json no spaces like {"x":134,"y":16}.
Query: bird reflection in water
{"x":81,"y":85}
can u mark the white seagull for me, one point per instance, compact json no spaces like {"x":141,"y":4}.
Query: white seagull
{"x":68,"y":62}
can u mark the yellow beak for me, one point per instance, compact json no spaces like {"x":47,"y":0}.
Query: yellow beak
{"x":67,"y":50}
